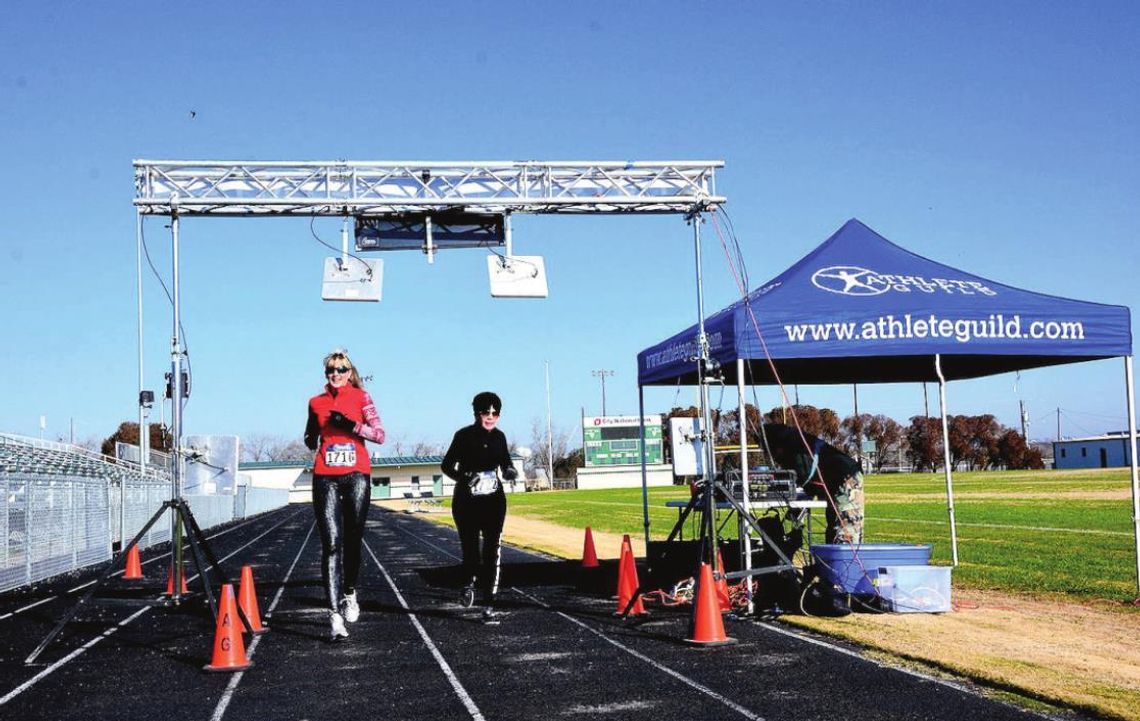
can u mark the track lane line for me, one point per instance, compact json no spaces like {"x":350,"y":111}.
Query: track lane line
{"x":231,"y":687}
{"x":746,"y":713}
{"x":456,"y":685}
{"x":137,"y":614}
{"x":120,"y":572}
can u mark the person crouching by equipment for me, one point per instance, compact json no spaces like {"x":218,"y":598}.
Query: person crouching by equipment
{"x":825,"y":472}
{"x":477,"y":455}
{"x":340,"y":420}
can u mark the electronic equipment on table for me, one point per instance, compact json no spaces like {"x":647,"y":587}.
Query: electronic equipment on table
{"x":765,"y":484}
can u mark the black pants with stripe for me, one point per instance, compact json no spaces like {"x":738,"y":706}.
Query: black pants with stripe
{"x":480,"y":517}
{"x":341,"y":505}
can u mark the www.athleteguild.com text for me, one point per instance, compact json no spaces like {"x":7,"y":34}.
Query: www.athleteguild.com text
{"x":962,"y":330}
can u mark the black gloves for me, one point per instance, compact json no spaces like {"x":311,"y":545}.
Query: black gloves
{"x":339,"y":420}
{"x":510,"y":474}
{"x":311,"y":442}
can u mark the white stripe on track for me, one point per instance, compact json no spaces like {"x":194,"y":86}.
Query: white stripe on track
{"x":636,"y":654}
{"x":227,"y":695}
{"x":461,"y":692}
{"x":659,"y":666}
{"x":79,"y":651}
{"x":117,"y":573}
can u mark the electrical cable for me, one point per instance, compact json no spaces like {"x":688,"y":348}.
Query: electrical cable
{"x":313,"y":230}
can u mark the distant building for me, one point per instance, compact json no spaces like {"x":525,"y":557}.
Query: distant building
{"x":392,"y":477}
{"x":1111,"y":450}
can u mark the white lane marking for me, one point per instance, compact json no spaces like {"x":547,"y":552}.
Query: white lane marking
{"x":116,"y":573}
{"x":227,"y":695}
{"x":58,"y":664}
{"x":79,"y":651}
{"x":660,"y":667}
{"x":461,"y":692}
{"x":862,"y":657}
{"x":664,"y":669}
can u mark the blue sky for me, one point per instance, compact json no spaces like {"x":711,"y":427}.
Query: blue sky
{"x":997,"y":137}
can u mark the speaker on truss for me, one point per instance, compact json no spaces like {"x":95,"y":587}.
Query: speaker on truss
{"x":517,"y":276}
{"x":352,"y":279}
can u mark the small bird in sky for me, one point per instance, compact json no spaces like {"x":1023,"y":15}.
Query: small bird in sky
{"x":193,"y":114}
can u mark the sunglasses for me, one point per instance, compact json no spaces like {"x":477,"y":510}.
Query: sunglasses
{"x":490,"y":414}
{"x":330,"y":370}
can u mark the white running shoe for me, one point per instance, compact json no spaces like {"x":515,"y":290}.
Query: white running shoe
{"x":350,"y":607}
{"x":337,"y":631}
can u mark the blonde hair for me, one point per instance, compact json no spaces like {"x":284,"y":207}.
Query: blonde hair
{"x":340,"y":357}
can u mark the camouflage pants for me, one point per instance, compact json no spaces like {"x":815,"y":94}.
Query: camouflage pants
{"x":845,"y":520}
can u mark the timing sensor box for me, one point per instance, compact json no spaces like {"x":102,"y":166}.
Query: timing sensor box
{"x":914,"y":589}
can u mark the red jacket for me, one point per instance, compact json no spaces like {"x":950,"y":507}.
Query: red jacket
{"x":339,"y":451}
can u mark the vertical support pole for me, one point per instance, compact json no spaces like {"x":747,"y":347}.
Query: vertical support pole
{"x":946,"y":458}
{"x":707,"y":434}
{"x":644,"y":471}
{"x":549,"y":433}
{"x":429,"y":248}
{"x":745,"y":533}
{"x":1131,"y":395}
{"x":176,"y":393}
{"x":143,"y":436}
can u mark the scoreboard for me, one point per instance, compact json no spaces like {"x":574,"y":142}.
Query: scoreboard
{"x":616,"y":440}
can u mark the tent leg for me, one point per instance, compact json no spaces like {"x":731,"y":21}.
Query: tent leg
{"x":644,"y":480}
{"x":946,"y":458}
{"x":744,"y":533}
{"x":1131,"y":395}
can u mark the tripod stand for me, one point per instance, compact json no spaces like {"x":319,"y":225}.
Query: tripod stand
{"x":198,"y":547}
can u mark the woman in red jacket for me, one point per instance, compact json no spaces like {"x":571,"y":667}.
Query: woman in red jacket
{"x":340,"y":420}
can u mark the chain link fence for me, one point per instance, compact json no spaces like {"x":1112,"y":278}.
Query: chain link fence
{"x":61,"y":510}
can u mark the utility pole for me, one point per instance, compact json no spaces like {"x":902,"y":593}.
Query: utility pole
{"x":858,"y":427}
{"x":1058,"y":424}
{"x":602,"y":373}
{"x":1024,"y":421}
{"x":549,"y":434}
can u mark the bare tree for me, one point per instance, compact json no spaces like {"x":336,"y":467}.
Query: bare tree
{"x":541,"y":450}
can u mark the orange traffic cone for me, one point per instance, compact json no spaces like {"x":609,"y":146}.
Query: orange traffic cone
{"x":589,"y":555}
{"x":247,"y":601}
{"x":134,"y":566}
{"x":627,"y":582}
{"x":722,"y":598}
{"x":708,"y":626}
{"x":229,"y":650}
{"x":170,"y":582}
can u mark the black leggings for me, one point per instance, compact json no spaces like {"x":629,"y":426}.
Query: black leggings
{"x":475,"y":516}
{"x":341,"y":505}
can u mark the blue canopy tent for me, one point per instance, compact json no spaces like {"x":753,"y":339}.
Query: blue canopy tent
{"x":860,"y":309}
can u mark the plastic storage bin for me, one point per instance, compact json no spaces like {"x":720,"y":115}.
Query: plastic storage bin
{"x":915,"y":589}
{"x":856,"y":568}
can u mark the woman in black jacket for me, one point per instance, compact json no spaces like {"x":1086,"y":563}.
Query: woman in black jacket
{"x":477,"y":456}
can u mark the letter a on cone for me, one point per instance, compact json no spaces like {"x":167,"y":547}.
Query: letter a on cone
{"x":229,"y":650}
{"x":247,"y":601}
{"x":589,"y":555}
{"x":627,"y":581}
{"x":134,"y":567}
{"x":708,"y":626}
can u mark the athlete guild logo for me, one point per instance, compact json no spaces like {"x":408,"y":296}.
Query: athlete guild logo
{"x":849,"y":280}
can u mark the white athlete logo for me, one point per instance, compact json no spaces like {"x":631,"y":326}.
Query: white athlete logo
{"x":849,"y":280}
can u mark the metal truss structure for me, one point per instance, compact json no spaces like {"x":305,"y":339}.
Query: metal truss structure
{"x":343,"y":187}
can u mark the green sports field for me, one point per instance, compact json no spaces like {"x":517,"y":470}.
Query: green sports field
{"x":1059,"y":532}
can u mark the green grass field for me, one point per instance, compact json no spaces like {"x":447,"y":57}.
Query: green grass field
{"x":1058,"y":532}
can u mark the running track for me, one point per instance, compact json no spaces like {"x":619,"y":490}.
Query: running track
{"x":416,"y":655}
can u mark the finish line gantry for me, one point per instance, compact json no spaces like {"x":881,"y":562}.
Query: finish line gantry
{"x":344,"y":187}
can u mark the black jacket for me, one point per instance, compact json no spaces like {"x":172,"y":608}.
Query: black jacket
{"x":474,"y":450}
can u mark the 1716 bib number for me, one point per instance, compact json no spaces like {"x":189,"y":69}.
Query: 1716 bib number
{"x":340,"y":455}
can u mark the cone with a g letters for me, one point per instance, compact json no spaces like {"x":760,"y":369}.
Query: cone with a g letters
{"x":229,"y":649}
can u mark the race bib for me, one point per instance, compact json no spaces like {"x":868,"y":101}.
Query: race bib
{"x":340,"y":455}
{"x":485,"y":483}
